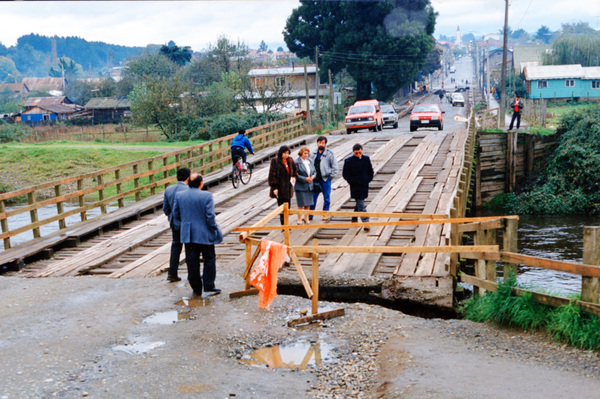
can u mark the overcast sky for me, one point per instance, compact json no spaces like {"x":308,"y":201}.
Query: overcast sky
{"x":198,"y":23}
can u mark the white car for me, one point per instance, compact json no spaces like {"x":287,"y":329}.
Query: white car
{"x":390,"y":117}
{"x":457,"y":99}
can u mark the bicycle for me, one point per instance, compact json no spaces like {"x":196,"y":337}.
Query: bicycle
{"x":239,"y":173}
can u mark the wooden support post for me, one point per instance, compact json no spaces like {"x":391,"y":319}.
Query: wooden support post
{"x":59,"y":208}
{"x":509,"y":243}
{"x":4,"y":225}
{"x":511,"y":155}
{"x":315,"y":279}
{"x":119,"y":190}
{"x":101,"y":193}
{"x":151,"y":177}
{"x":478,"y":201}
{"x":34,"y":215}
{"x":479,"y":239}
{"x":286,"y":222}
{"x":136,"y":183}
{"x":248,"y":263}
{"x":81,"y":199}
{"x":166,"y":172}
{"x":590,"y":286}
{"x":529,"y":153}
{"x":490,"y":265}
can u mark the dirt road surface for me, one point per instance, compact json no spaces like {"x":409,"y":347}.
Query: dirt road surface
{"x":137,"y":338}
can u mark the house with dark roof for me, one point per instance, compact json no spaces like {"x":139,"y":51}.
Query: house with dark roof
{"x":108,"y":109}
{"x":45,"y":110}
{"x":54,"y":86}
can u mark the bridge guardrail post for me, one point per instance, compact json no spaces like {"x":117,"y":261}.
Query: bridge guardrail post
{"x":509,"y":243}
{"x":590,"y":286}
{"x":4,"y":224}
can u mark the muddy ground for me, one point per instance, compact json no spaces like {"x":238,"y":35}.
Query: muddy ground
{"x":135,"y":338}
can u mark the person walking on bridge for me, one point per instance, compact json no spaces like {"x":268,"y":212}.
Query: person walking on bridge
{"x":183,"y":176}
{"x":195,"y":211}
{"x":326,"y":166}
{"x":358,"y":172}
{"x":517,"y":106}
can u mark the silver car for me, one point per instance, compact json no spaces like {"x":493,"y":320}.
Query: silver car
{"x":390,"y":117}
{"x":457,"y":100}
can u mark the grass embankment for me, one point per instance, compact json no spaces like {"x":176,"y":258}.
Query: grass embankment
{"x":26,"y":165}
{"x":566,"y":323}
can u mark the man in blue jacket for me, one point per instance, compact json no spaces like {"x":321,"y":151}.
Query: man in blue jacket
{"x":358,"y":172}
{"x":195,"y":210}
{"x":183,"y":175}
{"x":238,"y":144}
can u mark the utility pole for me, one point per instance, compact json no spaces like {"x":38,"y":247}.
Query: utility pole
{"x":501,"y":112}
{"x":308,"y":115}
{"x":333,"y":116}
{"x":487,"y":76}
{"x":317,"y":79}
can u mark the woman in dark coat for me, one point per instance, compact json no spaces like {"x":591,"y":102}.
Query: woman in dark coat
{"x":282,"y":176}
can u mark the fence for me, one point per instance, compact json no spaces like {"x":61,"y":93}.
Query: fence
{"x":485,"y":251}
{"x":108,"y":133}
{"x":132,"y":180}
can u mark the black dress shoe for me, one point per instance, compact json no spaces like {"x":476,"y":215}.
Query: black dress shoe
{"x":367,"y":229}
{"x":213,"y":291}
{"x":354,"y":220}
{"x":173,"y":279}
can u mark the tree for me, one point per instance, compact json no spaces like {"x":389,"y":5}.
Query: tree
{"x":8,"y":70}
{"x":179,"y":55}
{"x":577,"y":28}
{"x":263,"y":46}
{"x":149,"y":66}
{"x":229,"y":56}
{"x":169,"y":104}
{"x":280,"y":49}
{"x":386,"y":50}
{"x":65,"y":67}
{"x":581,"y":49}
{"x":544,"y":34}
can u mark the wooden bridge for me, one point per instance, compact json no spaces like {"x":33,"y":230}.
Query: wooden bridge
{"x":422,"y":175}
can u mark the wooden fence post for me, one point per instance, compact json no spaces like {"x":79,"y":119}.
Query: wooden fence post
{"x":81,"y":200}
{"x":4,"y":225}
{"x":59,"y":208}
{"x":286,"y":222}
{"x":101,"y":193}
{"x":136,"y":183}
{"x":33,"y":214}
{"x":119,"y":190}
{"x":151,"y":178}
{"x":590,"y":286}
{"x":315,"y":279}
{"x":509,"y":243}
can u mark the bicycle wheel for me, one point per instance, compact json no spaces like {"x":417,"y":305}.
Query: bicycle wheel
{"x":246,"y":174}
{"x":235,"y":176}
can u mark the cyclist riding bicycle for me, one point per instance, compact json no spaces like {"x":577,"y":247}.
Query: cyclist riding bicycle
{"x":238,"y":144}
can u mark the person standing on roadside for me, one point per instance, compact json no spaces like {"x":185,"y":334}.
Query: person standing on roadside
{"x":282,"y":177}
{"x":195,"y":211}
{"x":358,"y":172}
{"x":183,"y":176}
{"x":304,"y":183}
{"x":517,"y":106}
{"x":326,"y":166}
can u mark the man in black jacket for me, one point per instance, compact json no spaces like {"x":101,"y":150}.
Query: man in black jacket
{"x":358,"y":172}
{"x":517,"y":106}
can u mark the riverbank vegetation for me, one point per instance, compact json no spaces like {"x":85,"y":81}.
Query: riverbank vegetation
{"x":569,"y":181}
{"x":567,"y":324}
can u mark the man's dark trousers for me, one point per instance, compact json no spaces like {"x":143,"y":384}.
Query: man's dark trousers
{"x":176,"y":247}
{"x":516,"y":115}
{"x":192,"y":254}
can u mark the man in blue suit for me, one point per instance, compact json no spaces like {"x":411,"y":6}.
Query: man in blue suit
{"x":183,"y":175}
{"x":195,"y":211}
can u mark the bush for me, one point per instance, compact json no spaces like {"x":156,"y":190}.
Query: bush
{"x":566,"y":323}
{"x":12,"y":132}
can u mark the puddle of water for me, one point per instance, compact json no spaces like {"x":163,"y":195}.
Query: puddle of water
{"x":166,"y":318}
{"x":193,"y":303}
{"x":138,"y":348}
{"x":298,"y":356}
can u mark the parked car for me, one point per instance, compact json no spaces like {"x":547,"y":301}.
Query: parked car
{"x":390,"y":116}
{"x":452,"y":69}
{"x":457,"y":99}
{"x":426,"y":115}
{"x":364,"y":114}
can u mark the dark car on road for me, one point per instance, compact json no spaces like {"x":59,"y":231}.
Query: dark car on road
{"x":426,"y":115}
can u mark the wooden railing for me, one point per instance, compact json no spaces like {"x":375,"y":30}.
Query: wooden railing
{"x":485,"y":251}
{"x":133,"y":180}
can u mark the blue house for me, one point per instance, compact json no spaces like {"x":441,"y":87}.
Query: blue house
{"x":562,"y":81}
{"x":44,"y":110}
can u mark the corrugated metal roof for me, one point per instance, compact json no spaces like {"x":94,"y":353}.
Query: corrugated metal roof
{"x":38,"y":101}
{"x":108,"y":103}
{"x":591,"y":72}
{"x":553,"y":72}
{"x":279,"y":71}
{"x":44,"y":83}
{"x":54,"y":108}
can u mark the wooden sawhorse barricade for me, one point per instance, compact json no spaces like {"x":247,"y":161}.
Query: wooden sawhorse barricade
{"x":313,"y":251}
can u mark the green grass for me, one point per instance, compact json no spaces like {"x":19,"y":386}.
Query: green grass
{"x":558,"y":110}
{"x":104,"y":144}
{"x":567,"y":324}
